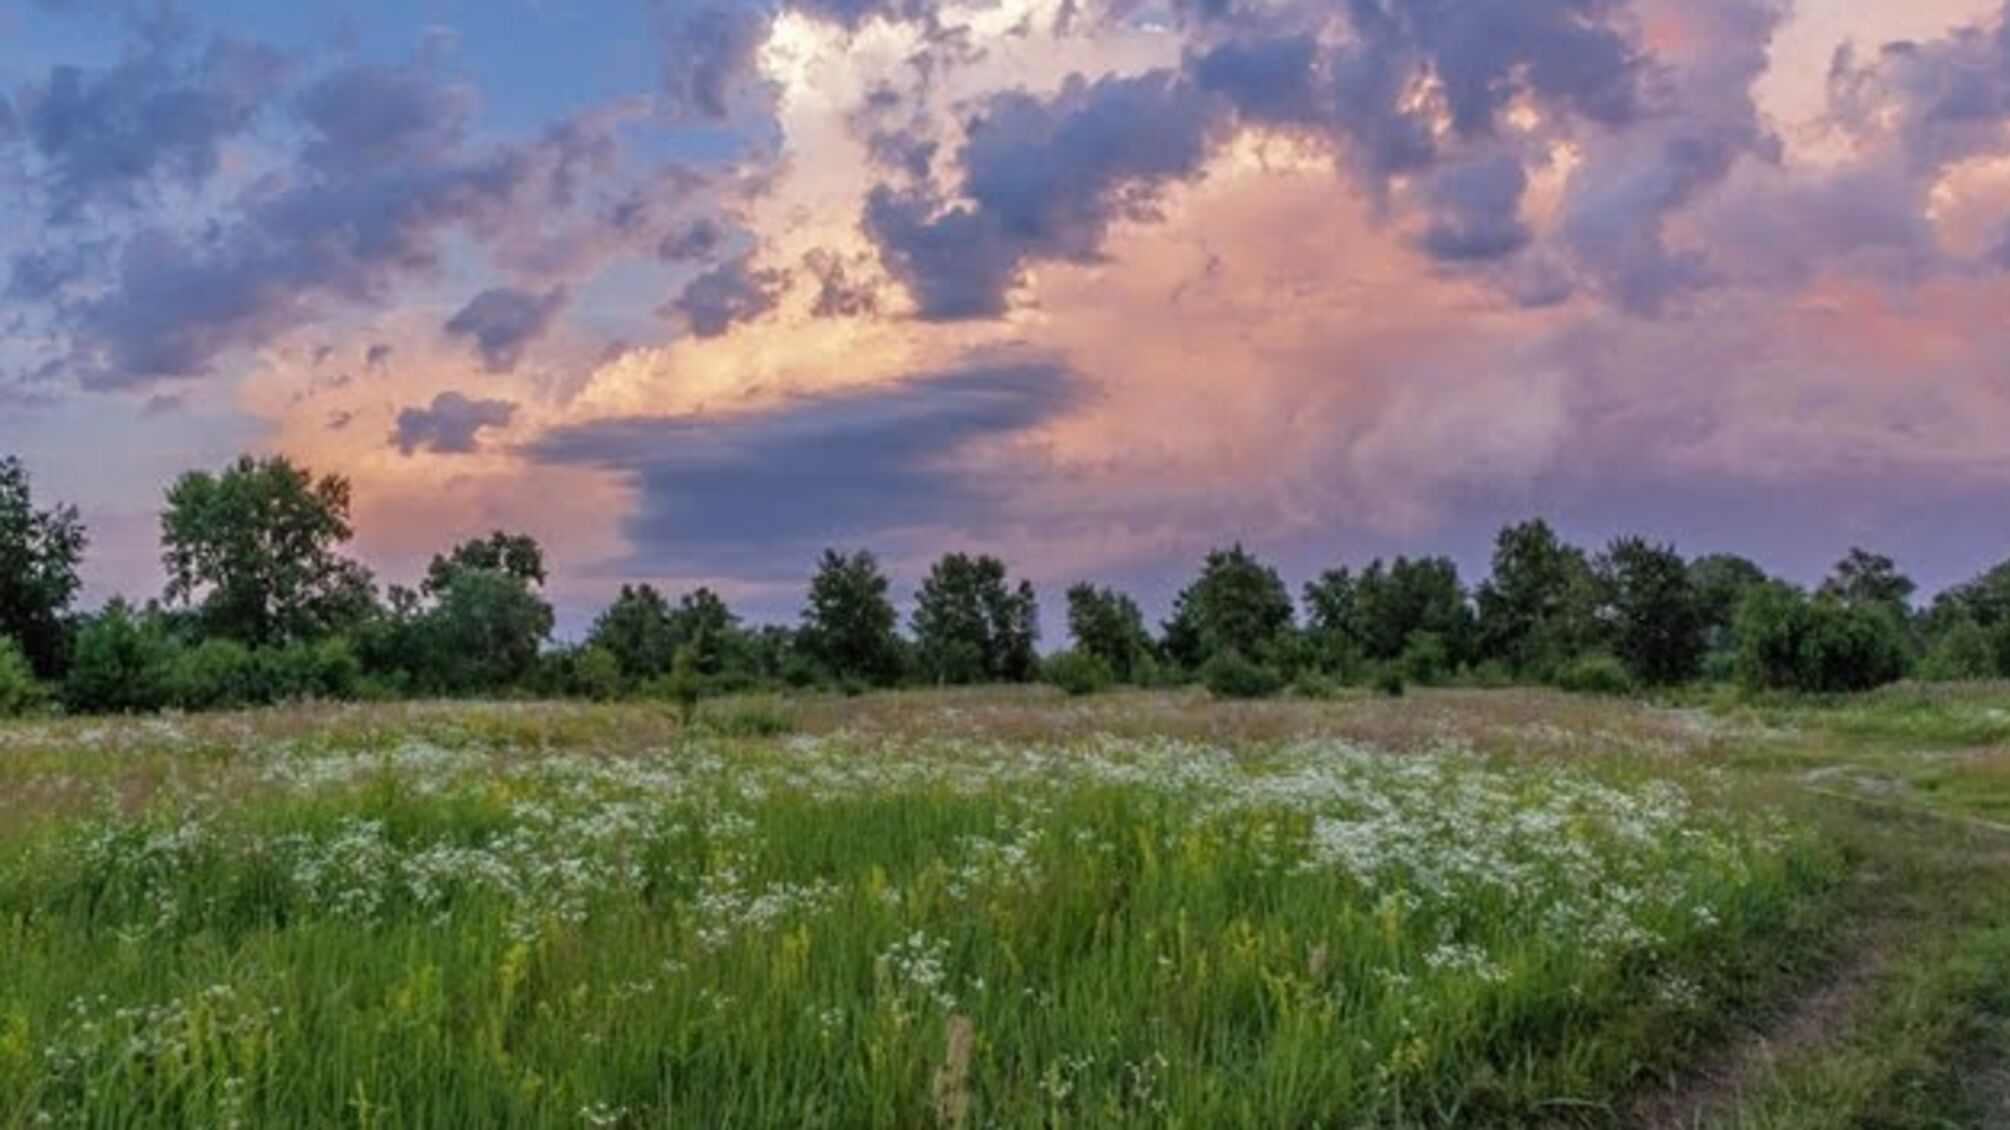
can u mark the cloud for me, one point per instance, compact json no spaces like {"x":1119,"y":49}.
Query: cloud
{"x":503,"y":321}
{"x":449,"y":426}
{"x":369,"y":205}
{"x":726,"y":295}
{"x":1474,"y":209}
{"x":160,"y":114}
{"x":753,"y":492}
{"x":1044,"y":179}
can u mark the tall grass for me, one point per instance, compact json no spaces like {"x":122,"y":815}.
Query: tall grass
{"x":848,"y":930}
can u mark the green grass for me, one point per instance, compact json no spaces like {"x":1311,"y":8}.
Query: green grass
{"x":1471,"y":908}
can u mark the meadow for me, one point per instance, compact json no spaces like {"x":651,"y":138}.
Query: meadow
{"x":1008,"y":908}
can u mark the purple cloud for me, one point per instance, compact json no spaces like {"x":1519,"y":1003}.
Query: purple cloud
{"x":450,"y":425}
{"x":503,"y":321}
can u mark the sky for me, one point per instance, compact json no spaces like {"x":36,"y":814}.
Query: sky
{"x":692,"y":289}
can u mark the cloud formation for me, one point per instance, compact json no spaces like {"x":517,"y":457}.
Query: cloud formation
{"x":503,"y":321}
{"x":450,"y":425}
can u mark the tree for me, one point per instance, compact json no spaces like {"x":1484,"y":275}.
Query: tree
{"x":516,"y":555}
{"x":1656,"y":615}
{"x":636,"y":631}
{"x":1722,"y":581}
{"x":848,"y":625}
{"x":703,"y":623}
{"x":1824,"y":645}
{"x":972,"y":625}
{"x":484,"y":630}
{"x":1107,"y":625}
{"x":120,"y":663}
{"x":1237,"y":604}
{"x":1537,"y":611}
{"x":1870,"y":579}
{"x":1332,"y":619}
{"x":257,"y":544}
{"x":39,"y":554}
{"x":1395,"y":602}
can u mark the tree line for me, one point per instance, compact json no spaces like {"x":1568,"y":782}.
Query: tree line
{"x":262,"y":606}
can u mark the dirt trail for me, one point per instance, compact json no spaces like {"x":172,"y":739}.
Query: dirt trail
{"x":1716,"y":1084}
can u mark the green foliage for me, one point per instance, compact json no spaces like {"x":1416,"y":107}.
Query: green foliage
{"x":1227,"y":674}
{"x":119,"y":664}
{"x":684,"y":686}
{"x":848,"y":624}
{"x":514,"y":555}
{"x":1722,"y":581}
{"x":20,"y":691}
{"x":1959,"y":651}
{"x":1425,"y":661}
{"x":1389,"y":681}
{"x":254,"y":547}
{"x":1823,"y":645}
{"x":40,"y":551}
{"x":596,"y":673}
{"x":1539,"y":607}
{"x":1332,"y":621}
{"x":1107,"y":624}
{"x":1238,"y":604}
{"x":971,"y":625}
{"x":1078,"y":672}
{"x":1871,"y":579}
{"x":1595,"y":674}
{"x":1658,"y":627}
{"x":635,"y":632}
{"x":1395,"y":602}
{"x":483,"y":633}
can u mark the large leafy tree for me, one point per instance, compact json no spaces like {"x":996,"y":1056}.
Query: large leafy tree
{"x":39,"y":554}
{"x":516,"y":555}
{"x":1332,"y":621}
{"x":703,"y":624}
{"x":1107,"y":624}
{"x":1237,"y":604}
{"x":1723,"y":581}
{"x":848,"y":625}
{"x":1873,"y":579}
{"x":488,"y":621}
{"x":1538,"y":609}
{"x":1656,"y":615}
{"x":636,"y":631}
{"x":1825,"y":645}
{"x":1412,"y":601}
{"x":255,"y":547}
{"x":971,"y":624}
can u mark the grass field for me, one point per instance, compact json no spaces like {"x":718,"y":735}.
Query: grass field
{"x":998,"y":908}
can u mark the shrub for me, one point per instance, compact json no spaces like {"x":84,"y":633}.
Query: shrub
{"x":121,"y":664}
{"x":1078,"y":672}
{"x":1389,"y":680}
{"x":596,"y":673}
{"x":1313,"y":685}
{"x":1961,"y":652}
{"x":1229,"y":675}
{"x":20,"y":691}
{"x":1425,"y":659}
{"x":1789,"y":642}
{"x":217,"y":675}
{"x":1595,"y":674}
{"x":753,"y":720}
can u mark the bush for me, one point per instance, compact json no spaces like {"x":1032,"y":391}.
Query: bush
{"x":1229,"y":675}
{"x":1595,"y":674}
{"x":1425,"y":659}
{"x":121,"y":664}
{"x":1315,"y":686}
{"x":218,"y":675}
{"x":752,"y":720}
{"x":596,"y":673}
{"x":1961,"y":652}
{"x":1823,"y":646}
{"x":20,"y":691}
{"x":1078,"y":673}
{"x":1389,"y":681}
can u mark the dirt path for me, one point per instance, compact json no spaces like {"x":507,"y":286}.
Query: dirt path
{"x":1716,"y":1084}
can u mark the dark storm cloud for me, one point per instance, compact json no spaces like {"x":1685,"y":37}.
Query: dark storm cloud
{"x":503,"y":321}
{"x":451,"y":425}
{"x":726,"y":295}
{"x":1045,"y":179}
{"x":370,"y":205}
{"x":105,"y":137}
{"x":755,"y":492}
